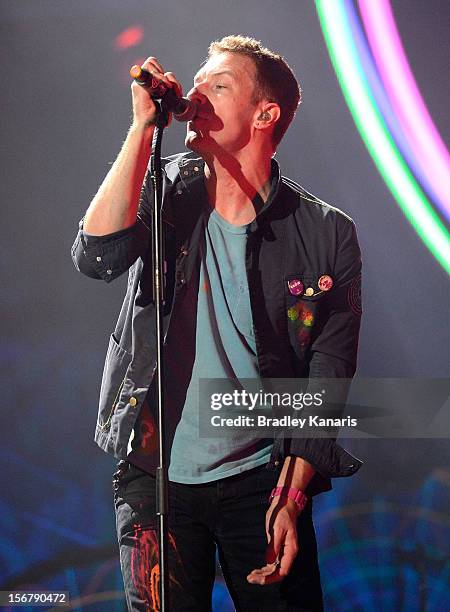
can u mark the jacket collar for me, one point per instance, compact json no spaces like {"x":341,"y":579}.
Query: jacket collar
{"x":186,"y":170}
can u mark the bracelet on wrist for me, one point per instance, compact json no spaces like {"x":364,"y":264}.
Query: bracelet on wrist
{"x":296,"y":495}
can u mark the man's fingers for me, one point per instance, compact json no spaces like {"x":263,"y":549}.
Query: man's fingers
{"x":152,"y":62}
{"x":152,"y":65}
{"x":280,"y":555}
{"x":289,"y":553}
{"x":265,"y":575}
{"x":277,"y":541}
{"x":267,"y":570}
{"x":272,"y":572}
{"x":286,"y":562}
{"x":258,"y":576}
{"x":176,"y":84}
{"x":271,"y":555}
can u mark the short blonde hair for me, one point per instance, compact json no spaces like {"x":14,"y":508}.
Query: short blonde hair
{"x":275,"y":80}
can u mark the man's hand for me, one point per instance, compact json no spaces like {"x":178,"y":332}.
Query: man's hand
{"x":281,"y":524}
{"x":144,"y":108}
{"x":281,"y":532}
{"x":116,"y":203}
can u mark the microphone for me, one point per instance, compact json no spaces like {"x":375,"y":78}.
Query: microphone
{"x":183,"y":109}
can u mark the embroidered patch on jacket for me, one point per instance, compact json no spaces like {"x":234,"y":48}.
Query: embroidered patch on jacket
{"x":303,"y":335}
{"x":354,"y":295}
{"x":301,"y":321}
{"x":307,"y":317}
{"x":300,"y":313}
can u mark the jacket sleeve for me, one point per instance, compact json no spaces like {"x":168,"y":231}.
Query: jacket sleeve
{"x":334,"y":355}
{"x":107,"y":257}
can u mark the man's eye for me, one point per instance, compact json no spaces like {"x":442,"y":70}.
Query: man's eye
{"x":220,"y":86}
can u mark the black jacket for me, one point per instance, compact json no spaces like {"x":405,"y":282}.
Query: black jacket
{"x":294,"y":237}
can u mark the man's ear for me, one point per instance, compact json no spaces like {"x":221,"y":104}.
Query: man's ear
{"x":268,"y":115}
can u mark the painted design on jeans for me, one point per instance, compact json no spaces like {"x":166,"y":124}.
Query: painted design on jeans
{"x":144,"y":557}
{"x":145,"y":571}
{"x":155,"y":577}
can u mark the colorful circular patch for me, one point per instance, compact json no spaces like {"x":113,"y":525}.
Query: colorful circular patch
{"x":325,"y":282}
{"x":354,"y":296}
{"x":295,"y":286}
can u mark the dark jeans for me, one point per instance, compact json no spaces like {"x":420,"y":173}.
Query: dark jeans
{"x":227,"y":514}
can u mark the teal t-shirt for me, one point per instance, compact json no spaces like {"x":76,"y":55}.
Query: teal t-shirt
{"x":225,"y":348}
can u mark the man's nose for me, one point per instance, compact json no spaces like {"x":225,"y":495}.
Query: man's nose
{"x":196,"y":95}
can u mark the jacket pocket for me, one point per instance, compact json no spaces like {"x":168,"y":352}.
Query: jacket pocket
{"x":302,"y":302}
{"x":116,"y":365}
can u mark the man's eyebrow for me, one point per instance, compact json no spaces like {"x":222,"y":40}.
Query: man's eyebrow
{"x":219,"y":73}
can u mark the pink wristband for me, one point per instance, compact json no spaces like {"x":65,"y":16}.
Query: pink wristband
{"x":295,"y":494}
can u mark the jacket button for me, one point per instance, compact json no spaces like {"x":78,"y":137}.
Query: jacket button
{"x":133,"y":401}
{"x":277,"y":462}
{"x":98,"y":258}
{"x":108,"y":271}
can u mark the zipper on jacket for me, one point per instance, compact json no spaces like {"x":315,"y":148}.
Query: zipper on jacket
{"x":250,"y":251}
{"x":183,"y":253}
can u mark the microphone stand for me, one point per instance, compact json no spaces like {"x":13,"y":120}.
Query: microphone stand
{"x":162,"y":498}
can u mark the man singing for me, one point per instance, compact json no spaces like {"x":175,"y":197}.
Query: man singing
{"x":262,"y":281}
